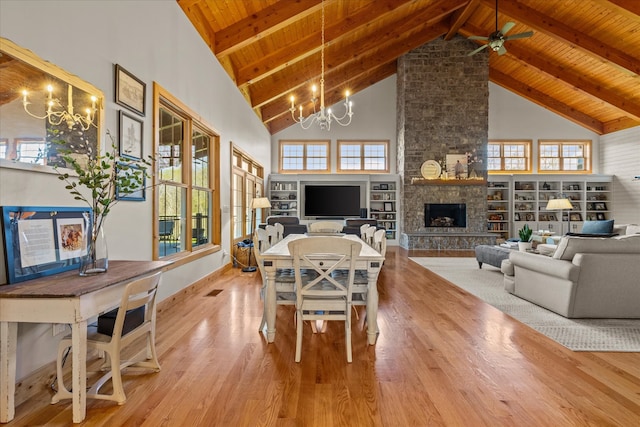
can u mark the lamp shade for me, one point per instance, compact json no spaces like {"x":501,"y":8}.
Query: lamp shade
{"x":260,"y":202}
{"x":559,"y":204}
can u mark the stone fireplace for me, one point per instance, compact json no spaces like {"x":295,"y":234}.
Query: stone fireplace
{"x":443,"y":101}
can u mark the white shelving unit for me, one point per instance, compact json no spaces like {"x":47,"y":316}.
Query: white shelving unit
{"x":528,"y":196}
{"x":499,"y":208}
{"x":380,"y":196}
{"x":383,"y":206}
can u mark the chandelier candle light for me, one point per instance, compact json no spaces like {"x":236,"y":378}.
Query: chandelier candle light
{"x":56,"y":117}
{"x":324,"y":116}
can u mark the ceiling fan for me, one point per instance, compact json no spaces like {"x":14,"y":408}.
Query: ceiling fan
{"x":496,"y":39}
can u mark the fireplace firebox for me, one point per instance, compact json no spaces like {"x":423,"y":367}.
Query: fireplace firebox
{"x":445,"y":215}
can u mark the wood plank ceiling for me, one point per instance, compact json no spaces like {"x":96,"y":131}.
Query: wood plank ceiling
{"x":583,"y":61}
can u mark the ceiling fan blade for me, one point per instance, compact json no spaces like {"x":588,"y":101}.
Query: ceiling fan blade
{"x":477,"y":50}
{"x":520,"y":36}
{"x":478,"y":38}
{"x":502,"y":50}
{"x":508,"y":26}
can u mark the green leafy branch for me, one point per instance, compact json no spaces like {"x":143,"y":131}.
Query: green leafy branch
{"x":104,"y":176}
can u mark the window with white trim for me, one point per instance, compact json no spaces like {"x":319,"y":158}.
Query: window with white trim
{"x":304,"y":156}
{"x":363,"y":156}
{"x":564,"y":156}
{"x":509,"y":156}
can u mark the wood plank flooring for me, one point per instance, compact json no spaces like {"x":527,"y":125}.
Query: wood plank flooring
{"x":443,"y":358}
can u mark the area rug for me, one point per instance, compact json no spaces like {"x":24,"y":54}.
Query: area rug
{"x":576,"y":334}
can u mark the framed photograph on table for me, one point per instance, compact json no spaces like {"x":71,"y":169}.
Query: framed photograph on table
{"x":388,"y":207}
{"x":130,"y":136}
{"x":575,"y":216}
{"x":600,"y":206}
{"x":130,"y":90}
{"x":516,"y":216}
{"x":600,"y":216}
{"x":384,"y":186}
{"x":284,"y":205}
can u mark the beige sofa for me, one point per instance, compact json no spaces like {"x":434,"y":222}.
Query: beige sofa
{"x":587,"y":277}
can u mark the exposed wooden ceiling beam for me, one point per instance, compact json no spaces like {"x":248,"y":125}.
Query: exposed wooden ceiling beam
{"x":620,"y":124}
{"x":400,"y":37}
{"x":556,"y":29}
{"x":192,"y":9}
{"x":545,"y":101}
{"x":576,"y":81}
{"x":459,"y":18}
{"x":627,"y":8}
{"x":311,"y":44}
{"x":261,"y":24}
{"x":536,"y":61}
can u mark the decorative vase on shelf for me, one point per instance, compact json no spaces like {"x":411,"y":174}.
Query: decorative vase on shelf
{"x":96,"y":260}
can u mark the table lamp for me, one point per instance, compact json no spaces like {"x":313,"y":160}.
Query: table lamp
{"x":560,"y":205}
{"x":256,"y":203}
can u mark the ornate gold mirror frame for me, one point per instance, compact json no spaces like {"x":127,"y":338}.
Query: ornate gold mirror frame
{"x":43,"y":111}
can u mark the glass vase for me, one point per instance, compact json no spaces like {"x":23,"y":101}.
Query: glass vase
{"x":96,"y":260}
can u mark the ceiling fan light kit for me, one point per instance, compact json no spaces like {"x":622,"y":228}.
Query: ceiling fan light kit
{"x":496,"y":39}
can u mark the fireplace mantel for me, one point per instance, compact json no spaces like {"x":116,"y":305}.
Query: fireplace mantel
{"x":422,"y":181}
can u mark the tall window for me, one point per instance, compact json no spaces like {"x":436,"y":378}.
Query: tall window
{"x":187,"y":176}
{"x":564,"y":156}
{"x":247,"y":183}
{"x":304,"y":156}
{"x":363,"y":156}
{"x":509,"y":156}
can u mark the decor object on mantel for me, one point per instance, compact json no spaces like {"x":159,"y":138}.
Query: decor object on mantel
{"x":323,"y":117}
{"x":103,"y":176}
{"x":525,"y":234}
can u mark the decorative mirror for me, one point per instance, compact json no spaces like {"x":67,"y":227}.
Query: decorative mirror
{"x":44,"y":110}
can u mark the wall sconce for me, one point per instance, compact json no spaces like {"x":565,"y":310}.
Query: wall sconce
{"x":56,"y":114}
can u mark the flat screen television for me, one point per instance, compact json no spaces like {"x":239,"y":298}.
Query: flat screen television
{"x":332,"y":201}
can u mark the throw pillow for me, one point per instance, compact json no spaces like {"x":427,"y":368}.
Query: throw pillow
{"x":598,"y":227}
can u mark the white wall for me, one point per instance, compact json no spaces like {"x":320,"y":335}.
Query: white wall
{"x":620,"y":154}
{"x":511,"y":116}
{"x":374,"y":118}
{"x":155,"y":41}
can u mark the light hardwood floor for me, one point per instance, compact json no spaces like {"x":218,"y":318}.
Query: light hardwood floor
{"x":443,"y":358}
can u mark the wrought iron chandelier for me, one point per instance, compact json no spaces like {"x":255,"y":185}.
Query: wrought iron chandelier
{"x":322,"y":116}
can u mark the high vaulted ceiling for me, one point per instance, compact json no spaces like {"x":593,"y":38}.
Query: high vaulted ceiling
{"x":583,"y":61}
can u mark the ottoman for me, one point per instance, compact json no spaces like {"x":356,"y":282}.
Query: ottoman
{"x":492,"y":255}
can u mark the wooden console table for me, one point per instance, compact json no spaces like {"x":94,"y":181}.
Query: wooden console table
{"x":61,"y":298}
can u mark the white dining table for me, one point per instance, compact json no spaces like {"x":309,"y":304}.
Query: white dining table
{"x":278,"y":256}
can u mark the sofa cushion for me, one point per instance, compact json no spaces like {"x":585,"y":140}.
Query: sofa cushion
{"x":571,"y":245}
{"x":598,"y":227}
{"x":633,"y":229}
{"x":282,"y":219}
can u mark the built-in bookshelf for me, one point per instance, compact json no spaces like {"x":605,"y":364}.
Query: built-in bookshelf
{"x":528,"y":196}
{"x":498,"y":208}
{"x":383,"y":205}
{"x":284,"y":196}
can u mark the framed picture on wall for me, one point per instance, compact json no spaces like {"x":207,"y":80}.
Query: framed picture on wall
{"x":130,"y":90}
{"x":130,"y":136}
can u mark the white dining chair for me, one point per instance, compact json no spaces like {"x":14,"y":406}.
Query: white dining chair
{"x":363,"y":227}
{"x":279,"y":232}
{"x":285,"y":278}
{"x":272,"y":232}
{"x":325,"y":227}
{"x":324,"y":297}
{"x":368,"y":235}
{"x":139,"y":293}
{"x":380,"y":241}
